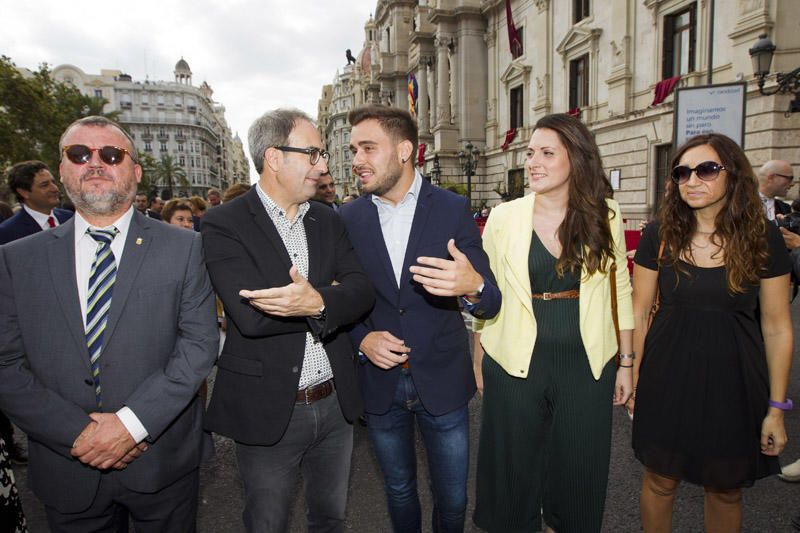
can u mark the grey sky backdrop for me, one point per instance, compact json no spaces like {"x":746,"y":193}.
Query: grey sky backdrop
{"x":255,"y":55}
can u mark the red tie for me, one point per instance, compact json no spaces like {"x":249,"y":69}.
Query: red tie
{"x":51,"y":221}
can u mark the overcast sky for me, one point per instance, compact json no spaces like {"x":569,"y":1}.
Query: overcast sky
{"x":255,"y":55}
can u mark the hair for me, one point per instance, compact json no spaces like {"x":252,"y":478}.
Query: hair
{"x":176,"y":204}
{"x":209,"y":192}
{"x":5,"y":211}
{"x":101,"y":122}
{"x":234,"y":191}
{"x":20,"y":176}
{"x":272,"y":129}
{"x":198,"y":203}
{"x":585,"y":232}
{"x":397,"y":123}
{"x":741,"y":228}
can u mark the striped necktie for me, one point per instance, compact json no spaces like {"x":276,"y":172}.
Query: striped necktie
{"x":101,"y":286}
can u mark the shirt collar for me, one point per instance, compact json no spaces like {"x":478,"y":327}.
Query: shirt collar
{"x":275,"y":211}
{"x":122,"y":224}
{"x":765,"y":198}
{"x":40,"y":218}
{"x":413,"y":192}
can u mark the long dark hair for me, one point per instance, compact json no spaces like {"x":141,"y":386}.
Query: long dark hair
{"x":585,"y":232}
{"x":740,"y":226}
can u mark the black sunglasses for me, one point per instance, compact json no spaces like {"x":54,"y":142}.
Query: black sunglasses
{"x":706,"y":171}
{"x":313,"y":153}
{"x":787,"y":176}
{"x":80,"y":154}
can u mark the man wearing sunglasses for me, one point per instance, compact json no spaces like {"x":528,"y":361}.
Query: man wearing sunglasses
{"x":108,"y":329}
{"x":290,"y":283}
{"x":38,"y":194}
{"x":775,"y":178}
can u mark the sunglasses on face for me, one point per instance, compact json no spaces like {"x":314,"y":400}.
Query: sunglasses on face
{"x":706,"y":171}
{"x":80,"y":154}
{"x":785,"y":176}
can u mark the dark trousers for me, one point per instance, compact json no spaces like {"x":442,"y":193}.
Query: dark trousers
{"x":446,"y":440}
{"x":318,"y":443}
{"x":172,"y":509}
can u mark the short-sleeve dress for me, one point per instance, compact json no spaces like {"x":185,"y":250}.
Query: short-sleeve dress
{"x":703,"y":384}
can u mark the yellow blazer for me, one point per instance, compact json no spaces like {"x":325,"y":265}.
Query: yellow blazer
{"x":510,"y":336}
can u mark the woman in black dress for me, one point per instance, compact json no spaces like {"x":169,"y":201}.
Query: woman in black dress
{"x":711,"y":384}
{"x":12,"y":520}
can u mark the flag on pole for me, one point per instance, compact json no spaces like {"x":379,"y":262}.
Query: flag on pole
{"x":413,"y":92}
{"x":514,"y":42}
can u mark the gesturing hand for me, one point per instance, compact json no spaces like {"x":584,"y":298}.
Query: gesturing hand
{"x":447,"y":277}
{"x":384,"y":349}
{"x":299,"y":298}
{"x":104,"y":442}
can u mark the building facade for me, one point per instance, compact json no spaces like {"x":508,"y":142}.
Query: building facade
{"x":601,"y":60}
{"x":170,"y":119}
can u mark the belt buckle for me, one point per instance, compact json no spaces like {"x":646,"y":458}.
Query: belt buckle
{"x":307,"y":401}
{"x":547,"y":296}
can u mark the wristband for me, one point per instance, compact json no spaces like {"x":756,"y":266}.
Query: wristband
{"x":783,"y":406}
{"x":631,"y":356}
{"x":626,"y":366}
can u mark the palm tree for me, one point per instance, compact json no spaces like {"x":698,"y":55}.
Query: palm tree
{"x":167,"y":172}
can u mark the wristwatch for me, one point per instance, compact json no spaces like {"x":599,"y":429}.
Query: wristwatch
{"x":321,"y":315}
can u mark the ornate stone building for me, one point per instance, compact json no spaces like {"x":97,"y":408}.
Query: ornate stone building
{"x":602,"y":60}
{"x":174,"y":118}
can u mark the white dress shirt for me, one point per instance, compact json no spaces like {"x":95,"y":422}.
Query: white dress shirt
{"x":396,"y":223}
{"x":769,"y":206}
{"x":41,"y":218}
{"x":85,"y":250}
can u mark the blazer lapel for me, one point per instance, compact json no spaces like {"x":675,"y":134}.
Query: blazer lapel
{"x":61,"y":262}
{"x":314,"y":242}
{"x":372,"y":221}
{"x":136,"y":245}
{"x":418,"y":225}
{"x":518,"y":248}
{"x":265,"y":224}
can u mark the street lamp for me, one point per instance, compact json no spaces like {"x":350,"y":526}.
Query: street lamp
{"x":436,"y":173}
{"x":469,"y":158}
{"x":761,"y":54}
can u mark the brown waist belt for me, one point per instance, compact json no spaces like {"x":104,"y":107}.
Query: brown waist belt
{"x":563,"y":295}
{"x":315,"y":392}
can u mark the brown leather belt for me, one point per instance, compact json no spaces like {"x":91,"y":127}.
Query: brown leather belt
{"x":315,"y":393}
{"x":563,"y":295}
{"x":404,"y":365}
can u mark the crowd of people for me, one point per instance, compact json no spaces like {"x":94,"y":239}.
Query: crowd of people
{"x":333,"y":312}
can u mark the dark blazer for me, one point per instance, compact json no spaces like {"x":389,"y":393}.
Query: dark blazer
{"x":432,"y":326}
{"x":259,"y":369}
{"x":22,"y":224}
{"x":782,"y":208}
{"x":160,"y":342}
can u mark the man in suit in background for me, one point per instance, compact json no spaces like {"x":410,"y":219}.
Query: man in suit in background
{"x":38,"y":195}
{"x":326,"y":192}
{"x":107,"y":329}
{"x":289,"y":280}
{"x":421,"y":248}
{"x":37,"y":192}
{"x":775,"y":178}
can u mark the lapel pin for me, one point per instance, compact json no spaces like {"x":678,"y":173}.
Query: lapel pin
{"x":138,"y":241}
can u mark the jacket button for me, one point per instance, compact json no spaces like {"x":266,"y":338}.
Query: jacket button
{"x":88,"y":381}
{"x":401,"y":311}
{"x":294,"y":370}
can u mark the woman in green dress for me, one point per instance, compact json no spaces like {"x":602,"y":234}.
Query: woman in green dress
{"x":549,"y":375}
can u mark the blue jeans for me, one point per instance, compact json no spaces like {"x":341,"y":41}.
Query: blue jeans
{"x":446,"y":440}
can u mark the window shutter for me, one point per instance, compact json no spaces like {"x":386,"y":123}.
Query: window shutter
{"x":693,"y":36}
{"x":667,"y":67}
{"x":573,"y":84}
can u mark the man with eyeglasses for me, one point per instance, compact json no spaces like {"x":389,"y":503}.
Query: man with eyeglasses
{"x":775,"y":178}
{"x":290,"y":283}
{"x":108,"y":330}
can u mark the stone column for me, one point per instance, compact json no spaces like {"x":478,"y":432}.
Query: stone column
{"x":442,"y":83}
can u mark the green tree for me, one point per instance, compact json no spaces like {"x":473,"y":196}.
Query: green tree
{"x":168,"y":172}
{"x":35,"y":111}
{"x":149,"y":166}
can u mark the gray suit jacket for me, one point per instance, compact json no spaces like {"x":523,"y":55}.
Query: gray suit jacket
{"x":160,"y":342}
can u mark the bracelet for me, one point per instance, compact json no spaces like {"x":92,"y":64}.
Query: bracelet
{"x":626,"y":366}
{"x":630,"y":356}
{"x":783,"y":406}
